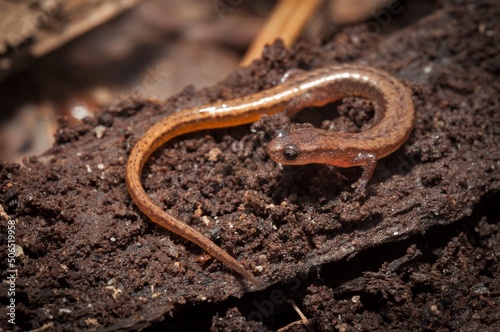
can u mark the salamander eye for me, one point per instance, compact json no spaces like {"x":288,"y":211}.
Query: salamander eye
{"x":291,"y":152}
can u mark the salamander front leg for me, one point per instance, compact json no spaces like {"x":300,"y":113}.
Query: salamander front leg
{"x":369,"y":162}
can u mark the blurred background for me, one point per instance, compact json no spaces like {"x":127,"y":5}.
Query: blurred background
{"x":61,"y":61}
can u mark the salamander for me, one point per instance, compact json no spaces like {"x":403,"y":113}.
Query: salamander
{"x":394,"y":120}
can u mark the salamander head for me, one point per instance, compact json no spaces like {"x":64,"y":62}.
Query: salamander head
{"x":298,"y":147}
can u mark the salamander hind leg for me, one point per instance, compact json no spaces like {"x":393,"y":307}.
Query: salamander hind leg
{"x":369,"y":162}
{"x":305,"y":100}
{"x":292,"y":74}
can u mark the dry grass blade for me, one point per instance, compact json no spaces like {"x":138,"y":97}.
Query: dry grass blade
{"x":303,"y":320}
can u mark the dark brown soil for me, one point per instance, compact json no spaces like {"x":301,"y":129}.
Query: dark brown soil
{"x":418,"y":252}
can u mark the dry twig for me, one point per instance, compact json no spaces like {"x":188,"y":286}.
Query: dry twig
{"x":286,"y":22}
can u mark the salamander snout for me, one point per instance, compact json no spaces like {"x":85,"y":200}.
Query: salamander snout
{"x":299,"y":146}
{"x":285,"y":149}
